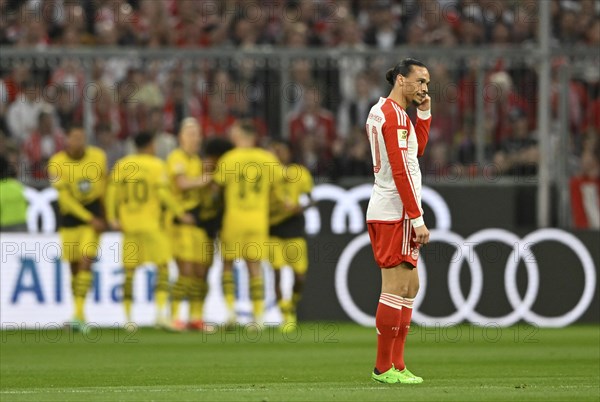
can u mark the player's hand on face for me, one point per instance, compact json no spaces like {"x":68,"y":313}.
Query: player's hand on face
{"x":426,"y":104}
{"x":98,"y":224}
{"x":422,"y":235}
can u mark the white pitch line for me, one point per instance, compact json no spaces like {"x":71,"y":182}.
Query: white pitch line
{"x":197,"y":389}
{"x":146,"y":389}
{"x":118,"y":390}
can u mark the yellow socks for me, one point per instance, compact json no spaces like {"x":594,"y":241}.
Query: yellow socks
{"x":257,"y":295}
{"x":197,"y":293}
{"x":181,"y":290}
{"x":128,"y":292}
{"x":83,"y":281}
{"x":229,"y":289}
{"x":161,"y":292}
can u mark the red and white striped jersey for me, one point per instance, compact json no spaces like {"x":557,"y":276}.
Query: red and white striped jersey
{"x":395,"y":145}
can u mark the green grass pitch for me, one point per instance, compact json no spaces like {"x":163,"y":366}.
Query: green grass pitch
{"x":323,"y":361}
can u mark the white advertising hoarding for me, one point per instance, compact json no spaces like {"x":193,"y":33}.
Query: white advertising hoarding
{"x":35,"y":286}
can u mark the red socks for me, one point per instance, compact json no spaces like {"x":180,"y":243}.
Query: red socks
{"x":387,"y":320}
{"x":398,"y":350}
{"x":392,"y":321}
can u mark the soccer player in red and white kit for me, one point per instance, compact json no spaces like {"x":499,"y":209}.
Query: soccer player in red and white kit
{"x":394,"y":215}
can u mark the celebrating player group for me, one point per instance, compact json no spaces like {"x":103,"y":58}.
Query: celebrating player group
{"x":226,"y":197}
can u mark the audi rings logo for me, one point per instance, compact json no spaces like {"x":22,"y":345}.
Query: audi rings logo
{"x":465,"y":306}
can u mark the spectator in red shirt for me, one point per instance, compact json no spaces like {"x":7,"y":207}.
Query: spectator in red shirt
{"x":218,"y":120}
{"x":501,"y":102}
{"x":19,"y":75}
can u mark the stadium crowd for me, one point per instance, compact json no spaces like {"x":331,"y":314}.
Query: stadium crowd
{"x":328,"y":103}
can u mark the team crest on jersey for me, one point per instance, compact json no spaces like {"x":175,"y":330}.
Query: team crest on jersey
{"x":84,"y":186}
{"x":415,"y":253}
{"x":402,"y":136}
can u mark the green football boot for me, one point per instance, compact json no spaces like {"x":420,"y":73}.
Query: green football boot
{"x":406,"y":377}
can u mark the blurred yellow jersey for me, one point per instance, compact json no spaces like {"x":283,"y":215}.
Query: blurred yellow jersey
{"x":139,"y":181}
{"x":297,"y":180}
{"x":180,"y":163}
{"x":249,"y":176}
{"x":81,"y":183}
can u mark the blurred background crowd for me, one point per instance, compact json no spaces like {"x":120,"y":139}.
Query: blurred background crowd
{"x":326,"y":102}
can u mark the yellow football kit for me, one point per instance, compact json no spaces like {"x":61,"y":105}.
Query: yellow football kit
{"x":248,"y":176}
{"x":80,"y":184}
{"x":287,"y":242}
{"x":287,"y":245}
{"x":190,"y":242}
{"x":137,"y":191}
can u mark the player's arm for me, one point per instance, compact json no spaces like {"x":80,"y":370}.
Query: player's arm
{"x":70,"y":205}
{"x":167,"y":199}
{"x":67,"y":202}
{"x":396,"y":147}
{"x":177,"y":168}
{"x":423,"y":124}
{"x":184,"y":183}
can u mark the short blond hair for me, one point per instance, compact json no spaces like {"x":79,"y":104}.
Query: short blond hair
{"x":188,"y":121}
